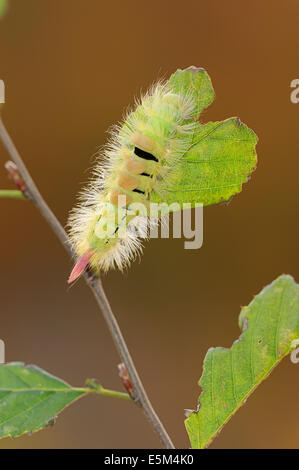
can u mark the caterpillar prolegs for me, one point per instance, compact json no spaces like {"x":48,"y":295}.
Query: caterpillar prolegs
{"x":143,"y":161}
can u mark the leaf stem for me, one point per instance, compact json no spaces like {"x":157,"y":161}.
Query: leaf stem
{"x":95,"y":387}
{"x":95,"y":285}
{"x":112,"y":393}
{"x":11,"y":194}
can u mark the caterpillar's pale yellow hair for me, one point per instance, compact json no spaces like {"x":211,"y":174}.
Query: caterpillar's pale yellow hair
{"x":139,"y":160}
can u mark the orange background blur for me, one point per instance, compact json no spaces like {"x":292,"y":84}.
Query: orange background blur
{"x":71,"y":67}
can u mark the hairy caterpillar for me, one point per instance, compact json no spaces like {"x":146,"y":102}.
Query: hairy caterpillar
{"x":142,"y":162}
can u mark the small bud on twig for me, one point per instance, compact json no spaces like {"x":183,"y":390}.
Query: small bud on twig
{"x":123,"y":373}
{"x":14,"y":175}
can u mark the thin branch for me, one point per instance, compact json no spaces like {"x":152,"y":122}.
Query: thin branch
{"x":95,"y":285}
{"x":11,"y":194}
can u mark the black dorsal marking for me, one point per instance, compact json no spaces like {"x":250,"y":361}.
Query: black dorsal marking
{"x":138,"y":191}
{"x":143,"y":154}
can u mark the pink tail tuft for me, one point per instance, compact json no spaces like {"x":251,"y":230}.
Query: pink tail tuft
{"x":80,"y":265}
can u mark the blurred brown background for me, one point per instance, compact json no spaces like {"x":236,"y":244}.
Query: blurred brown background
{"x":70,"y":68}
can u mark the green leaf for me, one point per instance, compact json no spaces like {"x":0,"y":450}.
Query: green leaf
{"x":270,"y":324}
{"x":221,"y":155}
{"x":30,"y":398}
{"x":216,"y":166}
{"x":194,"y":81}
{"x":3,"y":6}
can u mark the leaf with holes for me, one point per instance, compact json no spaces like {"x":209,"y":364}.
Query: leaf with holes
{"x":219,"y":158}
{"x":221,"y":155}
{"x":30,"y":398}
{"x":270,"y":324}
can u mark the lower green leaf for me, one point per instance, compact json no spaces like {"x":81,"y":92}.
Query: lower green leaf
{"x":30,"y":398}
{"x":3,"y":6}
{"x":270,"y":324}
